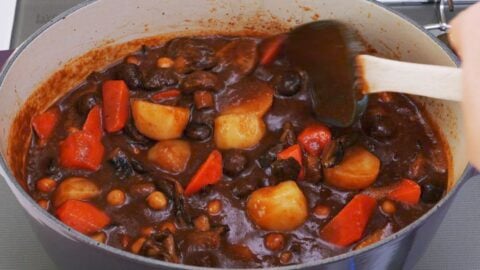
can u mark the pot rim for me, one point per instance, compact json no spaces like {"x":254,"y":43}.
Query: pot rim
{"x":59,"y":227}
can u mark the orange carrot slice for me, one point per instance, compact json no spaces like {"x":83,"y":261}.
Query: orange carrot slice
{"x":115,"y":105}
{"x":209,"y":173}
{"x":349,"y":224}
{"x":82,"y":216}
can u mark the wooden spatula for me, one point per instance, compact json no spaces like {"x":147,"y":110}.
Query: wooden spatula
{"x":342,"y":75}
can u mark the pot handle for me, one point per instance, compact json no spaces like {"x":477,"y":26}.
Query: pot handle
{"x":442,"y":25}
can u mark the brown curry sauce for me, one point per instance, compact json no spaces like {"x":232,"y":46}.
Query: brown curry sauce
{"x":393,"y":128}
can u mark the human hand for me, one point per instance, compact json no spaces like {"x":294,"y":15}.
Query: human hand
{"x":465,"y":38}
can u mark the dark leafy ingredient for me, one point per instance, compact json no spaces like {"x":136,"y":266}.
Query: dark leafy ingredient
{"x":161,"y":246}
{"x":131,"y":74}
{"x":87,"y":101}
{"x":332,"y":154}
{"x":201,"y":80}
{"x":138,"y":166}
{"x":314,"y":169}
{"x":198,"y":131}
{"x":431,"y":193}
{"x":174,"y":191}
{"x":234,"y":162}
{"x":159,"y":78}
{"x":121,"y":163}
{"x":285,"y":169}
{"x":270,"y":156}
{"x":288,"y":134}
{"x":287,"y":84}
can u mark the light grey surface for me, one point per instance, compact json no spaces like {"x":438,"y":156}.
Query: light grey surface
{"x":455,"y":246}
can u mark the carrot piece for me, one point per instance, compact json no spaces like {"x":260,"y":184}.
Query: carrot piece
{"x":82,"y":216}
{"x":84,"y":149}
{"x":115,"y":104}
{"x":45,"y":123}
{"x":270,"y":48}
{"x":93,"y":123}
{"x":167,"y":94}
{"x":295,"y":152}
{"x":406,"y":191}
{"x":81,"y":150}
{"x":314,"y":138}
{"x":209,"y":173}
{"x":349,"y":224}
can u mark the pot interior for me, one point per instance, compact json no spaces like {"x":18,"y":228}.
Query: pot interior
{"x":62,"y":54}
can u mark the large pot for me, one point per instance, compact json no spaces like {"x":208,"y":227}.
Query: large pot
{"x":103,"y":25}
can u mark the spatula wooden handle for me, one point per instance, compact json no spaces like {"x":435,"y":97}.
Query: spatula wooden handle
{"x":383,"y":75}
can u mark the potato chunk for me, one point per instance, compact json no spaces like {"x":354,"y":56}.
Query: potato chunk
{"x":159,"y":122}
{"x":358,"y":170}
{"x":238,"y":131}
{"x":75,"y":188}
{"x":247,"y":96}
{"x":279,"y":208}
{"x":171,"y":155}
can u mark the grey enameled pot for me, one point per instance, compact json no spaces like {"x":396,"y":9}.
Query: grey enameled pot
{"x":94,"y":24}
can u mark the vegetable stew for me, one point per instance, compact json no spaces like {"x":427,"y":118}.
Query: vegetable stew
{"x":205,"y":151}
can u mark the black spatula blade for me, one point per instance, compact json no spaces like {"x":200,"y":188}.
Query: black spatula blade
{"x":326,"y":51}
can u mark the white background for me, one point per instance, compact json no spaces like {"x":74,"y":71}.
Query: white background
{"x":7,"y":13}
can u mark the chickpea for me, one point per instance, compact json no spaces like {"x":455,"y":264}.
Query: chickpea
{"x":285,"y":257}
{"x":321,"y":211}
{"x":202,"y":223}
{"x":132,"y":60}
{"x":214,"y":207}
{"x":388,"y":207}
{"x":116,"y":197}
{"x":274,"y":241}
{"x":44,"y":204}
{"x":137,"y":245}
{"x":157,"y":200}
{"x":46,"y":185}
{"x":147,"y":231}
{"x":164,"y":62}
{"x":100,"y":237}
{"x":167,"y":226}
